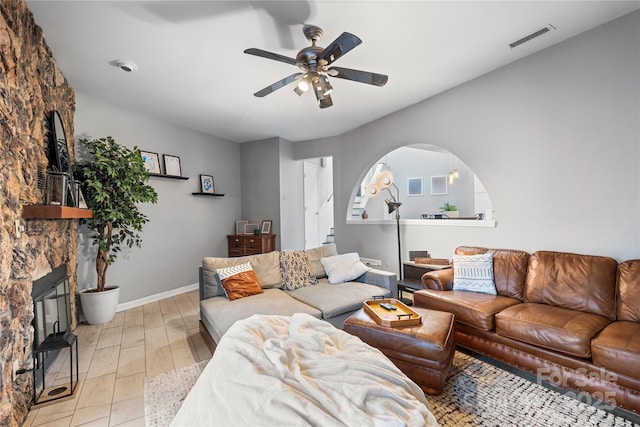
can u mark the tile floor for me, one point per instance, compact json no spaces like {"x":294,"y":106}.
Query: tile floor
{"x":114,"y":359}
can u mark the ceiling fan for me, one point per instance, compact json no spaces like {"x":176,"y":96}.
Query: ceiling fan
{"x":315,"y":61}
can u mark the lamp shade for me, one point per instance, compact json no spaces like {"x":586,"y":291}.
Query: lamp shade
{"x":384,"y":179}
{"x":393,"y":206}
{"x":372,"y":189}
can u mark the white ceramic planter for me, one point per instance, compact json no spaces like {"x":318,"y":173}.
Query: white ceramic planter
{"x":99,"y":307}
{"x":452,"y":214}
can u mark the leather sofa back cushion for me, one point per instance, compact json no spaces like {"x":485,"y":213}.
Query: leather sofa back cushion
{"x":579,"y":282}
{"x":629,"y":291}
{"x":509,"y":269}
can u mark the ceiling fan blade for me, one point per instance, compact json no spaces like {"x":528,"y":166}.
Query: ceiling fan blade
{"x":279,"y":84}
{"x":271,"y":55}
{"x":343,"y":44}
{"x":358,"y":76}
{"x":326,"y":102}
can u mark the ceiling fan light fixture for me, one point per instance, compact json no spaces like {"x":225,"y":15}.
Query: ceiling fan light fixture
{"x":325,"y":85}
{"x":304,"y":83}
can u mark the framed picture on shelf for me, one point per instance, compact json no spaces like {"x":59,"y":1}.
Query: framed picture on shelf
{"x":240,"y":226}
{"x":172,"y":165}
{"x":265,"y":226}
{"x":206,"y":184}
{"x":151,"y":161}
{"x":251,"y":229}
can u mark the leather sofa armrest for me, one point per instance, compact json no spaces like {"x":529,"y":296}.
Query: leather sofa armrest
{"x":439,"y":280}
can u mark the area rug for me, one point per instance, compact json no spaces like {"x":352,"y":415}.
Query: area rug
{"x":477,"y":394}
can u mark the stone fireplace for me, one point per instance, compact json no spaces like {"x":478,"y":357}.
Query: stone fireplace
{"x":31,"y":86}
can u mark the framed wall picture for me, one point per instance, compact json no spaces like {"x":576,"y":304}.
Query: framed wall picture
{"x":265,"y":226}
{"x":151,"y":161}
{"x":172,"y":165}
{"x":206,"y":184}
{"x":414,"y":186}
{"x":240,"y":226}
{"x":439,"y":185}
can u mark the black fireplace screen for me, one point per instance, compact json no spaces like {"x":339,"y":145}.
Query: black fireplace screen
{"x":52,"y":313}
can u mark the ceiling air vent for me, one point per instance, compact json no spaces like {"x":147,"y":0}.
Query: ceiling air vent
{"x":532,"y":36}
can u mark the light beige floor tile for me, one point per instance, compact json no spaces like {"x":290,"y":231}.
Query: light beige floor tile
{"x":173,"y":320}
{"x":52,"y":415}
{"x":97,"y":391}
{"x":132,"y":336}
{"x":138,"y":422}
{"x":199,"y":345}
{"x":151,"y":307}
{"x":194,"y":297}
{"x":177,"y":334}
{"x":184,"y":303}
{"x":90,"y":414}
{"x":60,"y":422}
{"x":153,"y":320}
{"x":126,"y":410}
{"x":85,"y":354}
{"x":132,"y":361}
{"x":102,"y":422}
{"x":183,"y":356}
{"x":105,"y":361}
{"x":154,"y":338}
{"x":130,"y":387}
{"x":110,"y":337}
{"x":159,"y":360}
{"x":133,"y":318}
{"x":30,"y":417}
{"x":117,"y":321}
{"x":88,"y":334}
{"x":191,"y":321}
{"x":168,"y":305}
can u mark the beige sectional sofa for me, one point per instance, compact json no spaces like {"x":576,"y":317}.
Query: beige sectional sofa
{"x":331,"y":302}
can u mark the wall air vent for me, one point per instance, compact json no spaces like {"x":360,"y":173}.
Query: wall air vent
{"x":532,"y":36}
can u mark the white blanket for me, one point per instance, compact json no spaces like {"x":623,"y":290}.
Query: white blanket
{"x":299,"y":371}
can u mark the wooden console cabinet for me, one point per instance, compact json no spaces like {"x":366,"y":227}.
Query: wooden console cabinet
{"x":249,"y":244}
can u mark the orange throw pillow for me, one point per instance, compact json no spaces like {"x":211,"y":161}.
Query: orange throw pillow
{"x":239,"y":281}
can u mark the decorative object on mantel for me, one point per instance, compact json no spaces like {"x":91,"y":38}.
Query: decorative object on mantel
{"x":114,"y":182}
{"x":451,"y":211}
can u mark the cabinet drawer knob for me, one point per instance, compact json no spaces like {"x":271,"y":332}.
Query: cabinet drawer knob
{"x":237,"y":240}
{"x":251,"y":240}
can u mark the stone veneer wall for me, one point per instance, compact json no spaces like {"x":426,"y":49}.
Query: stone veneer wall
{"x":31,"y":85}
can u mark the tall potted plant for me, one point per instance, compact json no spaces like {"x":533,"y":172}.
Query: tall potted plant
{"x":113,"y":181}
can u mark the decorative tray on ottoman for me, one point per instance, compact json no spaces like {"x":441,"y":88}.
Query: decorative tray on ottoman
{"x":399,"y":315}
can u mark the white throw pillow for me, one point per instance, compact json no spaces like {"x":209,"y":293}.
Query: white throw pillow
{"x":474,"y":273}
{"x":343,"y":268}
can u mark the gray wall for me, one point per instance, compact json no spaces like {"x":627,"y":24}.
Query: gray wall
{"x":183,"y":228}
{"x":291,"y":198}
{"x":553,"y":137}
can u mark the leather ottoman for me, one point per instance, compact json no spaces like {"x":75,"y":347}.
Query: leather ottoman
{"x":423,"y":352}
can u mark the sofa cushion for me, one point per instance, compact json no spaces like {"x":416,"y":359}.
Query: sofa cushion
{"x":239,"y":281}
{"x":617,"y":348}
{"x":583,"y":283}
{"x":509,"y":269}
{"x":295,"y":270}
{"x":266,"y":267}
{"x":343,"y":268}
{"x":471,"y":308}
{"x":316,"y":254}
{"x":333,"y":300}
{"x":629,"y":291}
{"x":555,"y":328}
{"x":221,"y":313}
{"x":474,"y":273}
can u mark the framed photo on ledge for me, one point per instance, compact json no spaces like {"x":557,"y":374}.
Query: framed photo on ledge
{"x":206,"y":184}
{"x":265,"y":226}
{"x":240,"y":226}
{"x":172,"y":165}
{"x":151,"y":161}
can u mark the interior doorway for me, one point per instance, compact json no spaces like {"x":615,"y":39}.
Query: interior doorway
{"x":318,"y":201}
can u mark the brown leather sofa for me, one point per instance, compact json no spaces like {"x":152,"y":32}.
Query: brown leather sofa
{"x":571,"y":320}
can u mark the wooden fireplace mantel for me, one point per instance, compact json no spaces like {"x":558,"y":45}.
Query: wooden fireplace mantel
{"x":54,"y":212}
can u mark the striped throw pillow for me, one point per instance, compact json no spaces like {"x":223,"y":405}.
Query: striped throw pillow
{"x":474,"y":273}
{"x":239,"y":281}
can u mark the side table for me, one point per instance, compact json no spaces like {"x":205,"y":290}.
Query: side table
{"x":409,"y":287}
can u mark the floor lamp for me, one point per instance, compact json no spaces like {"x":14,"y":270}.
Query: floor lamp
{"x":383,"y":181}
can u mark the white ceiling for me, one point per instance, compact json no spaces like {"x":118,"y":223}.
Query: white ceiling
{"x":192,"y":70}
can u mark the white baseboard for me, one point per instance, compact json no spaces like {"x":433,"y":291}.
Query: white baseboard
{"x":156,"y":297}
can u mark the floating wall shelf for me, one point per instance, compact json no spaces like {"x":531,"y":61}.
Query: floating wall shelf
{"x":161,"y":175}
{"x":54,"y":212}
{"x":207,"y":194}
